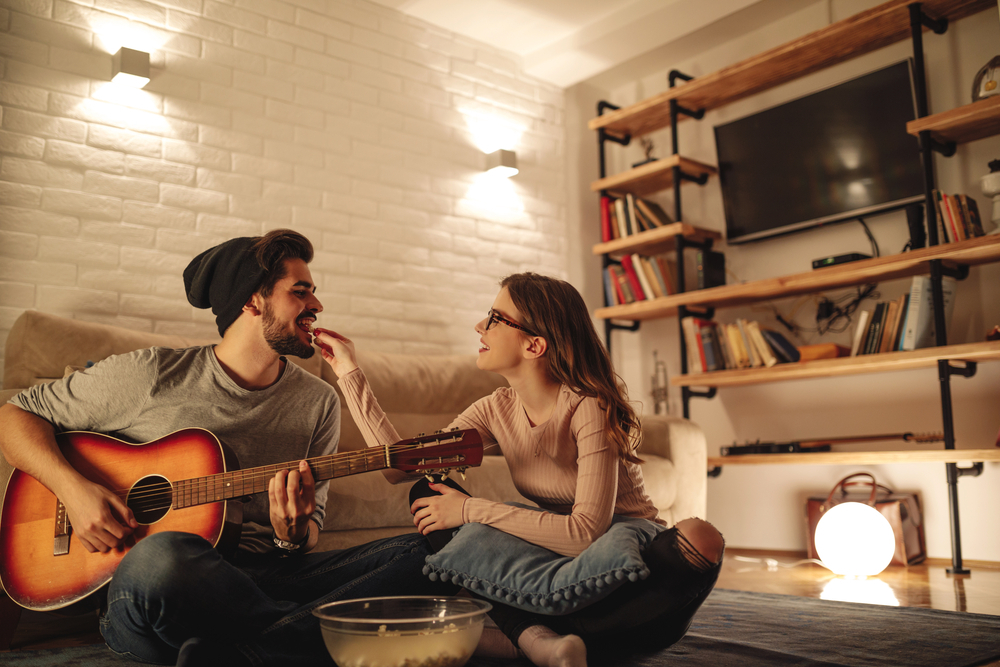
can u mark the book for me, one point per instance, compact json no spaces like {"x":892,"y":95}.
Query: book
{"x":654,"y":212}
{"x":783,"y":348}
{"x":634,"y":222}
{"x":621,"y":284}
{"x":920,"y":331}
{"x":692,"y":345}
{"x":640,"y":273}
{"x":887,"y":328}
{"x":896,"y":329}
{"x":668,"y":269}
{"x":874,"y":335}
{"x":970,"y":210}
{"x":859,"y":332}
{"x":656,"y":264}
{"x":711,"y":267}
{"x":954,"y":215}
{"x":709,"y":345}
{"x":740,"y":353}
{"x":756,"y":360}
{"x":622,"y":218}
{"x":610,"y":293}
{"x":944,"y":231}
{"x":654,"y":282}
{"x":605,"y":219}
{"x":763,"y":349}
{"x":633,"y":278}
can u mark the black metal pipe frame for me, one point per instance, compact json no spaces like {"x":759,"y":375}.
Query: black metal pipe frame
{"x":603,"y":136}
{"x":945,"y":370}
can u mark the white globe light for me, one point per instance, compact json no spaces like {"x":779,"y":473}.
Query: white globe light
{"x":854,"y":539}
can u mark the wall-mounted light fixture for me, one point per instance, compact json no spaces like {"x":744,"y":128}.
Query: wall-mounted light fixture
{"x":130,"y":67}
{"x":501,"y":163}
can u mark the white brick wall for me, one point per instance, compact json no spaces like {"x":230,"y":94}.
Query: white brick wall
{"x":343,"y":119}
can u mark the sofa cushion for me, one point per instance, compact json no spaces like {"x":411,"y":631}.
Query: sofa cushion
{"x":505,"y":568}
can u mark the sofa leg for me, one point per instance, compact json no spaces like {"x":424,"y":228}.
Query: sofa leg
{"x":10,"y":615}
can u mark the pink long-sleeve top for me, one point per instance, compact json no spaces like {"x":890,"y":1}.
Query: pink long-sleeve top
{"x":565,"y":465}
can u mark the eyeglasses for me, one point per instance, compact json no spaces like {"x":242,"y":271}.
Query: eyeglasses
{"x":493,"y":317}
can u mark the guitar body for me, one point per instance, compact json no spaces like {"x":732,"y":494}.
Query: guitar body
{"x":31,"y":572}
{"x":188,"y":482}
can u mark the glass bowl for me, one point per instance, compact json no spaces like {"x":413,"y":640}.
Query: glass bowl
{"x":411,"y":631}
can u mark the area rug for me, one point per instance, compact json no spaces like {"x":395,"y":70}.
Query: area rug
{"x":736,"y":628}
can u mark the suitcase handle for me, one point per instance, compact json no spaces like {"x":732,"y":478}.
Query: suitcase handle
{"x":843,"y":490}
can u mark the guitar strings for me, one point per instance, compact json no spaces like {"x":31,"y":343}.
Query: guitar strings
{"x":204,"y":485}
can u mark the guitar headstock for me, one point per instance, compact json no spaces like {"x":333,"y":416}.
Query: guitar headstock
{"x":924,"y":437}
{"x":439,"y":452}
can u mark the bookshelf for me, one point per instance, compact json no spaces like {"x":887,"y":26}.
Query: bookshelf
{"x":860,"y":458}
{"x":888,"y":23}
{"x":655,"y":241}
{"x":981,"y":250}
{"x":857,"y":35}
{"x":869,"y":363}
{"x":651,"y":177}
{"x":966,"y":123}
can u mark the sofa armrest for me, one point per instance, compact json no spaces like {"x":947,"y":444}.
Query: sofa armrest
{"x":682,"y":442}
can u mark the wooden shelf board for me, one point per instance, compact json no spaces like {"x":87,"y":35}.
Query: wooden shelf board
{"x":651,"y":177}
{"x":862,"y":33}
{"x":861,"y":458}
{"x":655,"y":241}
{"x":981,"y":250}
{"x":966,"y":123}
{"x":868,"y":363}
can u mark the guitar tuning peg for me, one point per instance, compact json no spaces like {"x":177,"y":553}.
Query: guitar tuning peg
{"x":430,"y":479}
{"x":462,"y":473}
{"x":420,"y":435}
{"x":438,"y":431}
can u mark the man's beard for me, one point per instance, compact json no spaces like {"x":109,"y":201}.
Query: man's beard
{"x":281,"y":342}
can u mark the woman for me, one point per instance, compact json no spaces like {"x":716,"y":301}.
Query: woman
{"x":569,"y":437}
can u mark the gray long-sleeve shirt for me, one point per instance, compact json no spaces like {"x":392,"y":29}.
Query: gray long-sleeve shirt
{"x":144,"y":395}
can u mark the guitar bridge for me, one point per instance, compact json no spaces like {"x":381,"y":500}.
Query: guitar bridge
{"x":60,"y":543}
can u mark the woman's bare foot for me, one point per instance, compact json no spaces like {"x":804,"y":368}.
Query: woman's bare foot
{"x":545,"y":648}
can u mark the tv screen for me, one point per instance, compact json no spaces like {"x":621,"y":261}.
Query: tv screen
{"x":834,"y":155}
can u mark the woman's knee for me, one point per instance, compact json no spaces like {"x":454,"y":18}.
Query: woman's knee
{"x":703,"y":537}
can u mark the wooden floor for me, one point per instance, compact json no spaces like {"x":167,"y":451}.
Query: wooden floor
{"x":926,"y":585}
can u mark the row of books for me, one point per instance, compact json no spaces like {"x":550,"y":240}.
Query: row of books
{"x":958,"y":217}
{"x":906,"y":323}
{"x":624,"y":216}
{"x":638,"y":278}
{"x":714,"y":346}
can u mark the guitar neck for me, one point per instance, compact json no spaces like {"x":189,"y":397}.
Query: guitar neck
{"x":240,"y":483}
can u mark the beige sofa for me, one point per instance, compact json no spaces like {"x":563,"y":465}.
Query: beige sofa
{"x":419,"y":393}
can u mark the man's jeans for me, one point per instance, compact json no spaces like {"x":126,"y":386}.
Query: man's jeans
{"x":174,"y":586}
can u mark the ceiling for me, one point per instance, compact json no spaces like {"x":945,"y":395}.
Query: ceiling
{"x":568,"y":41}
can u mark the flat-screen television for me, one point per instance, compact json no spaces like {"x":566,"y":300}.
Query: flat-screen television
{"x":837,"y":154}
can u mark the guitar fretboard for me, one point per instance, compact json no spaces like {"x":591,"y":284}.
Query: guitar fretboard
{"x":239,"y":483}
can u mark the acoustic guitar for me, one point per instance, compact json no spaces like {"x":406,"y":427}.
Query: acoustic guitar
{"x":186,"y":481}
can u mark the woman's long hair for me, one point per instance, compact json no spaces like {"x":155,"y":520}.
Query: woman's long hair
{"x":554,"y":310}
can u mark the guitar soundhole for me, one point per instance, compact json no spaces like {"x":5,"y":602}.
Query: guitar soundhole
{"x":150,"y":499}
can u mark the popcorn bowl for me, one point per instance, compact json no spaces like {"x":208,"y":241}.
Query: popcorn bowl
{"x":407,"y":631}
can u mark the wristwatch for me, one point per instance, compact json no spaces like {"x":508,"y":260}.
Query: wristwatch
{"x":290,"y":546}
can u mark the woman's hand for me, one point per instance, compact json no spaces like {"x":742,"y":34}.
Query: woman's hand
{"x":439,"y":512}
{"x":337,"y":350}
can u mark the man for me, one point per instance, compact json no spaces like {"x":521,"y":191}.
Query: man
{"x":174,"y":598}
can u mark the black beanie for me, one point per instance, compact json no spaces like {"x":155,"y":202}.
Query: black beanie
{"x":224,"y":278}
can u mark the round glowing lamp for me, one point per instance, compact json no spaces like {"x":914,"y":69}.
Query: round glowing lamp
{"x":854,"y":539}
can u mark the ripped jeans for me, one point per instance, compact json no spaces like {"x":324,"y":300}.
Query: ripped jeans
{"x":646,"y":616}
